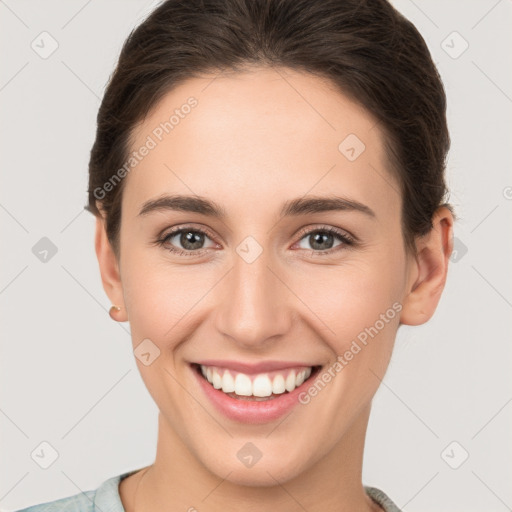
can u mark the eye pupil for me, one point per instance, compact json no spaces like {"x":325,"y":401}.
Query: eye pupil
{"x":317,"y":240}
{"x":187,"y":240}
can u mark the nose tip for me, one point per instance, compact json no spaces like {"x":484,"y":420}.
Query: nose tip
{"x":255,"y":310}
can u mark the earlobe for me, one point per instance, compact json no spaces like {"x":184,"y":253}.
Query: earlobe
{"x":429,"y":270}
{"x":109,"y":269}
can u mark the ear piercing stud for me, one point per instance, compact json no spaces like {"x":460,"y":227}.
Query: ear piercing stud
{"x":113,"y":310}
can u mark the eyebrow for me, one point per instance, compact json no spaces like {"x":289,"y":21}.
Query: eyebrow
{"x":291,"y":208}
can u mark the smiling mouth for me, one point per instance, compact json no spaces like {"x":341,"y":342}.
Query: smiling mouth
{"x":256,"y":387}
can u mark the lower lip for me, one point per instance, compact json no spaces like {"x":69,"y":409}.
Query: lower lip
{"x":248,"y":411}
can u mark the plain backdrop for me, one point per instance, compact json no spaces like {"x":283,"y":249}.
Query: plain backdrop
{"x":439,"y":435}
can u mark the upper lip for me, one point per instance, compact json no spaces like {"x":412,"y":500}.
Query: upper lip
{"x":252,"y":368}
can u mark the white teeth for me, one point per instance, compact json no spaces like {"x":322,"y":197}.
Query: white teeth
{"x":262,"y":386}
{"x":259,"y":386}
{"x":228,"y":383}
{"x":278,"y":385}
{"x":243,"y":385}
{"x":290,"y":381}
{"x":217,"y":380}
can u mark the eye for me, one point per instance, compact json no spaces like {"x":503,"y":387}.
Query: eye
{"x":322,"y":239}
{"x":191,"y":239}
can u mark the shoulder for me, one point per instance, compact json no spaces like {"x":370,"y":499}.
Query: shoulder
{"x":382,"y":499}
{"x":105,"y":497}
{"x":81,"y":502}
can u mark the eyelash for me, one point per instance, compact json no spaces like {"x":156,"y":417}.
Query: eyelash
{"x":347,"y":240}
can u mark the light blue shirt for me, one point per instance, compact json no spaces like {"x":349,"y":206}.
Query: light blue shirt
{"x":106,"y":499}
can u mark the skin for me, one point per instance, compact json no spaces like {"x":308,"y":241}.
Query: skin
{"x":252,"y":143}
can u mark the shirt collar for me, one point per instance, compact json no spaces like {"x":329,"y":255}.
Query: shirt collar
{"x":107,"y":497}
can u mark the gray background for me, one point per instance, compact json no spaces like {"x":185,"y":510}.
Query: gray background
{"x":68,"y":375}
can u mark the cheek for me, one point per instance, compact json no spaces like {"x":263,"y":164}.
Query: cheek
{"x":163,"y":298}
{"x":351,"y":297}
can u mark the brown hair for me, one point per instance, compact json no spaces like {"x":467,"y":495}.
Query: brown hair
{"x":365,"y":47}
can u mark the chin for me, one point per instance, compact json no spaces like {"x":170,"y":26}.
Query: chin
{"x":268,"y":471}
{"x":262,"y":477}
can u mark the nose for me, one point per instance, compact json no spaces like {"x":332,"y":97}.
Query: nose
{"x":256,"y":305}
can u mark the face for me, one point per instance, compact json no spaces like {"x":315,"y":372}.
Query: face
{"x":269,"y":290}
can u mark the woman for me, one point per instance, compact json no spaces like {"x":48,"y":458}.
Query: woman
{"x":268,"y":183}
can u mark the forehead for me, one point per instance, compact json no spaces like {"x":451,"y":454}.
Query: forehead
{"x":256,"y":134}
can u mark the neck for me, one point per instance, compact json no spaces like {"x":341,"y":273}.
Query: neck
{"x":178,"y":481}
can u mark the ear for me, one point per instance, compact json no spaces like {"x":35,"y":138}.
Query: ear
{"x":109,"y":269}
{"x":429,"y":270}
